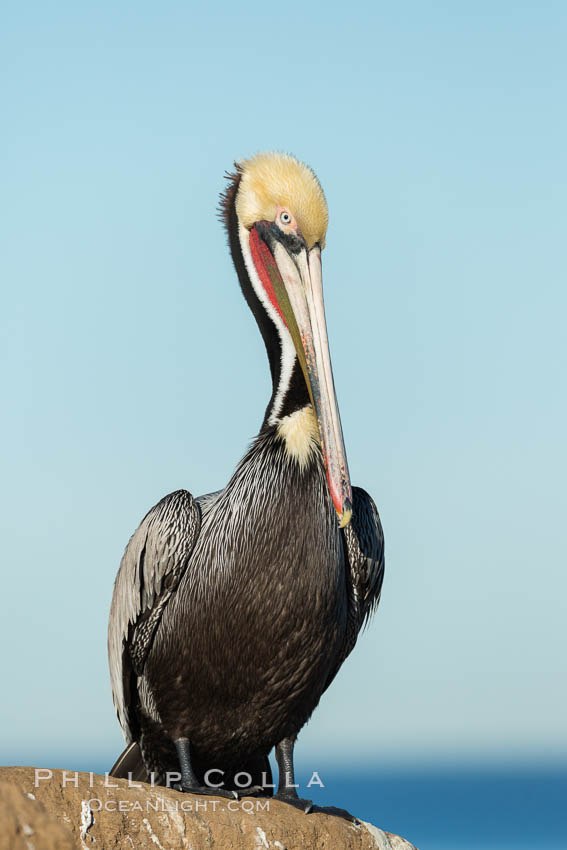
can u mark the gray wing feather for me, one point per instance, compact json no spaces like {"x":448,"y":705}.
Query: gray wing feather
{"x":150,"y":570}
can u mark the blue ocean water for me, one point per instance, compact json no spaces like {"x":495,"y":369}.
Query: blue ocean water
{"x":458,"y":808}
{"x":445,"y":808}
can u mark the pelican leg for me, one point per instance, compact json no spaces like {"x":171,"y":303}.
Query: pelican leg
{"x":189,"y":782}
{"x":287,"y":789}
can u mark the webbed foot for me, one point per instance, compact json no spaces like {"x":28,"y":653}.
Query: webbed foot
{"x":210,"y":792}
{"x":253,"y":791}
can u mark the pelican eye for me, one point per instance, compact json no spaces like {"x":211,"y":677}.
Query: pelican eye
{"x":285,"y":217}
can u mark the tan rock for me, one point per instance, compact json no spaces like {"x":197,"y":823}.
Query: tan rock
{"x":25,"y":824}
{"x":59,"y":810}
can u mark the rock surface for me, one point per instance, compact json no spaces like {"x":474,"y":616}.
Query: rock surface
{"x":64,"y":810}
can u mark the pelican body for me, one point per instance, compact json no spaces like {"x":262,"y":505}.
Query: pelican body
{"x":232,"y":612}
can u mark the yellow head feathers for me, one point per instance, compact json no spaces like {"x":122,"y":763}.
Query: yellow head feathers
{"x":272,"y":180}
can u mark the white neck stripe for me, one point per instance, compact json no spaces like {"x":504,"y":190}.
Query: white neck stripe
{"x":287,"y":347}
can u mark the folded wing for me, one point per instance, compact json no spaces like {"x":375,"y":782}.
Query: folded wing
{"x":364,"y":553}
{"x":150,"y":570}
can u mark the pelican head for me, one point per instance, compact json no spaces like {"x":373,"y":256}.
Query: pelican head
{"x":282,"y":219}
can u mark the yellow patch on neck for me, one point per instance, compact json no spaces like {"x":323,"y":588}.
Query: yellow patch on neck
{"x":272,"y":179}
{"x":300,"y":434}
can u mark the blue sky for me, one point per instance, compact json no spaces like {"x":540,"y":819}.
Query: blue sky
{"x":131,"y":366}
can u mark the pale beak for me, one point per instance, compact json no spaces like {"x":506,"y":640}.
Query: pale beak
{"x":301,"y":275}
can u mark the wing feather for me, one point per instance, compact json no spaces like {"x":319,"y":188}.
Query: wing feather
{"x":364,"y":551}
{"x":151,"y":567}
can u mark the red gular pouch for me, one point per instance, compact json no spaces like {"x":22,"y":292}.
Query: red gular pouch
{"x":266,"y":267}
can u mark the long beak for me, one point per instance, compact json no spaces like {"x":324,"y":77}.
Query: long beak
{"x":299,"y":291}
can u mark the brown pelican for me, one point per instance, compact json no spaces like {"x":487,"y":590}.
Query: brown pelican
{"x":232,"y":612}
